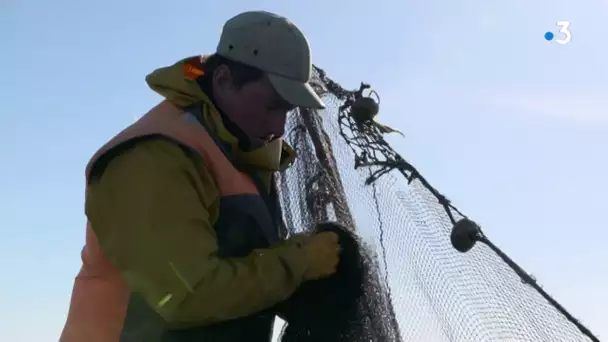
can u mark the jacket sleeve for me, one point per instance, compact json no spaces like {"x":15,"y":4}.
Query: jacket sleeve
{"x":150,"y":210}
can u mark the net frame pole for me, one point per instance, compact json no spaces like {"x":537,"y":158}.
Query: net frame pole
{"x":324,"y":152}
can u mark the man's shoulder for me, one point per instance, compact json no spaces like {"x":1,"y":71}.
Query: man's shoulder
{"x":157,"y":147}
{"x":149,"y":155}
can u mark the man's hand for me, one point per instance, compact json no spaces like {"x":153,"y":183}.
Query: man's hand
{"x":322,"y":253}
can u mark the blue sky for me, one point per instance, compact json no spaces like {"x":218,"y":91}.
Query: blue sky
{"x":512,"y":128}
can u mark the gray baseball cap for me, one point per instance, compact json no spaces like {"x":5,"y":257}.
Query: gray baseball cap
{"x":275,"y":45}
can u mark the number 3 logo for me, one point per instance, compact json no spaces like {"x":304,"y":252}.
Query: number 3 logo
{"x":563,"y":29}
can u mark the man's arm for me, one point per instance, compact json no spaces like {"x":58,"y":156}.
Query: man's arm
{"x":150,"y":212}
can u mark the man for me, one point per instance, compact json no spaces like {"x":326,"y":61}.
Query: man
{"x":183,"y":241}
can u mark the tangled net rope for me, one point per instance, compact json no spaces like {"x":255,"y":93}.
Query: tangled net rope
{"x":424,"y":287}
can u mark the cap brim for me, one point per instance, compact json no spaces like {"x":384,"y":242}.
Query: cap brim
{"x":296,"y":93}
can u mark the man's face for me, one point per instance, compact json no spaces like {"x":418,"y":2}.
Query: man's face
{"x":255,"y":108}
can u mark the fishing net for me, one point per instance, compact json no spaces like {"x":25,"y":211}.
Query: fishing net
{"x":425,"y":289}
{"x":337,"y":308}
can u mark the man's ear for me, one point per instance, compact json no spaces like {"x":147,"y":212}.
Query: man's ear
{"x":222,"y":78}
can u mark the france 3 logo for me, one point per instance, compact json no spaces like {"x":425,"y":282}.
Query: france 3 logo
{"x":564,"y":32}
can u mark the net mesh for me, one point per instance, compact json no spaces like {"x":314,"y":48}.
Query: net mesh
{"x":425,"y":289}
